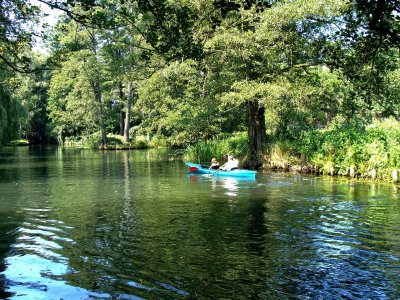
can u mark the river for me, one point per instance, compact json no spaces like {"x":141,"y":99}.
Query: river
{"x":82,"y":224}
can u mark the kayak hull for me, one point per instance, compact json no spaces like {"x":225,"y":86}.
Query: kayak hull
{"x":199,"y":169}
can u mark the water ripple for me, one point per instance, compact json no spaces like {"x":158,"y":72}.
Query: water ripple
{"x":117,"y":225}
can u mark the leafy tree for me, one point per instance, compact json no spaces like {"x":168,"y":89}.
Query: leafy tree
{"x":256,"y":48}
{"x":9,"y":117}
{"x":391,"y":92}
{"x":17,"y":31}
{"x":168,"y":27}
{"x":71,"y":99}
{"x":17,"y":19}
{"x":302,"y":100}
{"x":175,"y":105}
{"x":374,"y":21}
{"x":31,"y":91}
{"x":128,"y":55}
{"x":367,"y":52}
{"x":76,"y":90}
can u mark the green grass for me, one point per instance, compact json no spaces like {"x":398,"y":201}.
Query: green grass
{"x":21,"y":142}
{"x":203,"y":151}
{"x":374,"y":146}
{"x":115,"y":142}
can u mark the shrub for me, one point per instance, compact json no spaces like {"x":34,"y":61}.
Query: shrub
{"x":346,"y":144}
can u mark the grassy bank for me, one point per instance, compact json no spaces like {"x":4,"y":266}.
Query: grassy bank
{"x":350,"y":149}
{"x":115,"y":142}
{"x":21,"y":142}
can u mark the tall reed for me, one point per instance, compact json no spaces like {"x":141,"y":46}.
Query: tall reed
{"x":203,"y":151}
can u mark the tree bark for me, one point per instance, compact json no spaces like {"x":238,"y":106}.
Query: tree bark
{"x":257,"y":134}
{"x":121,"y":110}
{"x":129,"y":99}
{"x":98,"y":99}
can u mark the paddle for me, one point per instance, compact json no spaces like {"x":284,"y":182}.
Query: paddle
{"x":213,"y":174}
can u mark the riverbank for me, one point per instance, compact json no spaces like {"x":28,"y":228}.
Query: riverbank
{"x":115,"y":142}
{"x":347,"y":148}
{"x":375,"y":174}
{"x":351,"y":149}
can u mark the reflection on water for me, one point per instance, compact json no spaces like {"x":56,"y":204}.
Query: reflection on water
{"x":133,"y":224}
{"x":231,"y":185}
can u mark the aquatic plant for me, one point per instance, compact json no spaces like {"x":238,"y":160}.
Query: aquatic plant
{"x":203,"y":151}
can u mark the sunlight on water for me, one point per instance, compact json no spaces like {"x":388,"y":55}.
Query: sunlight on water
{"x":36,"y":269}
{"x":31,"y":278}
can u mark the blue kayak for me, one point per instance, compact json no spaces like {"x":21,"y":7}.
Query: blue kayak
{"x":200,"y":169}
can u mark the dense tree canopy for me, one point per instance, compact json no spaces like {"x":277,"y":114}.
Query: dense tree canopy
{"x":182,"y":71}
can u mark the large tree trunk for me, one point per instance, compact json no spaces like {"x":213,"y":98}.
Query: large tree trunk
{"x":98,"y":99}
{"x":129,"y":99}
{"x":257,"y":134}
{"x":121,"y":110}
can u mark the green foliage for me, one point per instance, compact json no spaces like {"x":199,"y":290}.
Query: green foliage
{"x":72,"y":107}
{"x":71,"y":100}
{"x":115,"y":142}
{"x":384,"y":141}
{"x":203,"y":67}
{"x":390,"y":101}
{"x":9,"y":117}
{"x":204,"y":151}
{"x":345,"y":144}
{"x":177,"y":107}
{"x":18,"y":26}
{"x":19,"y":143}
{"x":339,"y":145}
{"x":31,"y":91}
{"x":302,"y":100}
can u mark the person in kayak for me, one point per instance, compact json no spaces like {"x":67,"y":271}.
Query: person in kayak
{"x":231,"y":164}
{"x":214,"y":164}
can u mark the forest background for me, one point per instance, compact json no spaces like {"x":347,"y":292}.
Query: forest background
{"x":280,"y":83}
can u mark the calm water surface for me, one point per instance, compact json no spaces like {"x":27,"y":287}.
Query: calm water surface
{"x":79,"y":224}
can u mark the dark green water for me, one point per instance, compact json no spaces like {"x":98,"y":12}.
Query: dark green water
{"x":130,"y":225}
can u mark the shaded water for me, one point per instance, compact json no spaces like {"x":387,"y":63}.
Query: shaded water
{"x":79,"y":224}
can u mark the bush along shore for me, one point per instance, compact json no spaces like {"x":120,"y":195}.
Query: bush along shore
{"x":348,"y":149}
{"x":344,"y":148}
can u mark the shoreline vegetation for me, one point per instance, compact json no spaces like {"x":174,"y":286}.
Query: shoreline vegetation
{"x":348,"y":148}
{"x":115,"y":142}
{"x":295,"y":85}
{"x":345,"y":148}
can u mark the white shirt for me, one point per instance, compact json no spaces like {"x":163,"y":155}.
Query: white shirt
{"x":231,"y":164}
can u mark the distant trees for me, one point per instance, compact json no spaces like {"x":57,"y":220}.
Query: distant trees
{"x":76,"y":103}
{"x":29,"y":90}
{"x":9,"y":125}
{"x":15,"y":36}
